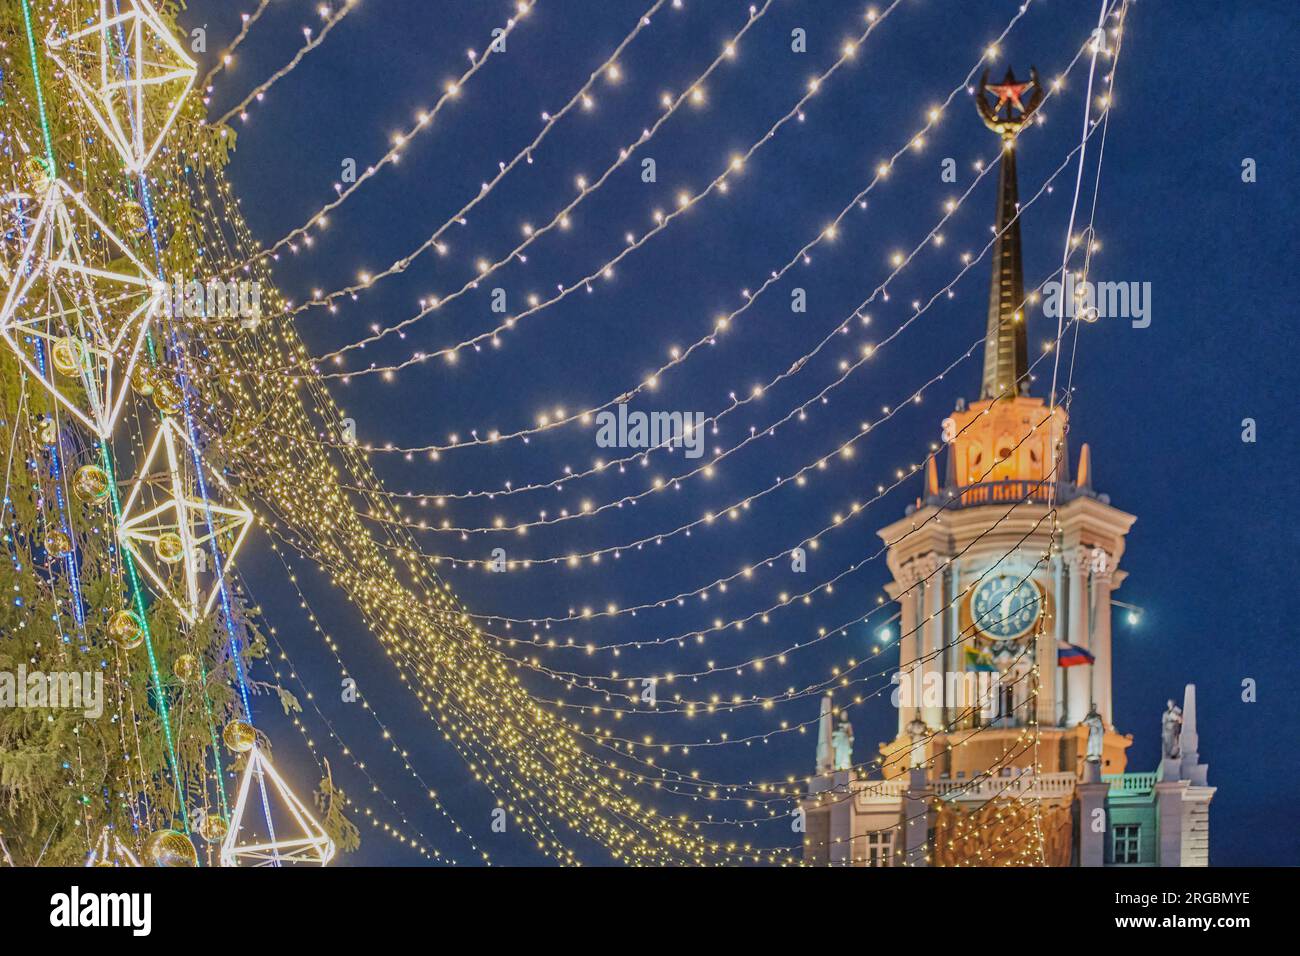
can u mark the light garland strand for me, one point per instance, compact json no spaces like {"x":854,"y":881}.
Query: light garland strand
{"x":312,"y":43}
{"x":559,"y":220}
{"x":708,"y":469}
{"x":686,"y":202}
{"x":678,"y":356}
{"x":226,"y":57}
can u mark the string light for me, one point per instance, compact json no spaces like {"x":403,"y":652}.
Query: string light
{"x":313,"y":41}
{"x":424,"y":121}
{"x":560,"y":219}
{"x":677,"y":359}
{"x":843,"y":448}
{"x":226,"y":57}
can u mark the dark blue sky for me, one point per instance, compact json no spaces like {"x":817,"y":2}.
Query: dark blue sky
{"x":1200,"y":88}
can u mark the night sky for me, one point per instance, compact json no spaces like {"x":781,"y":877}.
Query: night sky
{"x":1210,"y":559}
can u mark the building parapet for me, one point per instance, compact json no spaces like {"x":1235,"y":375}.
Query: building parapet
{"x":1005,"y":492}
{"x":1042,"y":785}
{"x":1130,"y":783}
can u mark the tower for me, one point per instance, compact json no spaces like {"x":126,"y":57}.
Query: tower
{"x":1003,"y":572}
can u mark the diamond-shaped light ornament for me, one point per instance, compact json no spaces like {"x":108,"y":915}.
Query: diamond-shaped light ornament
{"x":296,"y":837}
{"x":165,"y":523}
{"x":76,"y":309}
{"x":130,"y":73}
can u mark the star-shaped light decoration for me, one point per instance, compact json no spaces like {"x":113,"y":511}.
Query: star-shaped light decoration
{"x":297,"y":837}
{"x":165,"y":523}
{"x":77,"y":319}
{"x":130,"y":73}
{"x":1015,"y":102}
{"x":1009,"y":92}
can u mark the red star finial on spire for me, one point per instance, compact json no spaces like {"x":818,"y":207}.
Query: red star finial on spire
{"x":1009,"y":91}
{"x":1013,"y":108}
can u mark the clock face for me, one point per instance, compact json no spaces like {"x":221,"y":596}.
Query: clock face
{"x":1006,"y":607}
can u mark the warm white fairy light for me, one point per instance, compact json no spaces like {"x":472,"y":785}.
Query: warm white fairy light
{"x":410,"y":611}
{"x":559,"y":220}
{"x":566,"y":291}
{"x":869,"y":351}
{"x":424,"y":121}
{"x":226,"y":57}
{"x":854,"y":510}
{"x":313,"y":41}
{"x":839,"y":677}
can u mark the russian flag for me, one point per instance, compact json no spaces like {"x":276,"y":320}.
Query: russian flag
{"x":979,"y":660}
{"x":1070,"y":655}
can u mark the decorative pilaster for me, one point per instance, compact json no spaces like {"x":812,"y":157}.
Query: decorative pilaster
{"x":931,"y":569}
{"x":1101,"y":564}
{"x":1169,"y":810}
{"x":1058,"y":629}
{"x":916,"y":819}
{"x":1093,"y":824}
{"x":952,"y":631}
{"x":1078,"y":680}
{"x":909,"y":644}
{"x":841,"y":835}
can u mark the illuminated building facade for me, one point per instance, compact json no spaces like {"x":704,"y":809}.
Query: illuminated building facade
{"x":1003,"y":572}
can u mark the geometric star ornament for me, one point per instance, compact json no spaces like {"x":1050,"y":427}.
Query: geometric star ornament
{"x":134,"y":98}
{"x":169,"y":528}
{"x":293,"y":834}
{"x":82,"y":296}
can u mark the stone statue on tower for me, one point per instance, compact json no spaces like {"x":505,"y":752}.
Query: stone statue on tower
{"x":1096,"y":735}
{"x":1171,"y":725}
{"x":825,"y":738}
{"x":842,"y":745}
{"x":916,"y":729}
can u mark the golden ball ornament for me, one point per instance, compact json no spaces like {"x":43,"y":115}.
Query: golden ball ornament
{"x":213,"y":828}
{"x":169,"y":547}
{"x":142,"y":380}
{"x":239,"y":736}
{"x":58,"y":544}
{"x":90,"y":483}
{"x":186,"y":668}
{"x":66,"y":356}
{"x":167,"y":396}
{"x":38,"y":175}
{"x":126,"y":630}
{"x":133,"y":217}
{"x":170,"y":848}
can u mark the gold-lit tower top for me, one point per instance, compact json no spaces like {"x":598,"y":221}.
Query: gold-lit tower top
{"x":1006,"y":353}
{"x":1004,"y":443}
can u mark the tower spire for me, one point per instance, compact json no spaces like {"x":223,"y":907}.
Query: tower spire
{"x":1006,"y":351}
